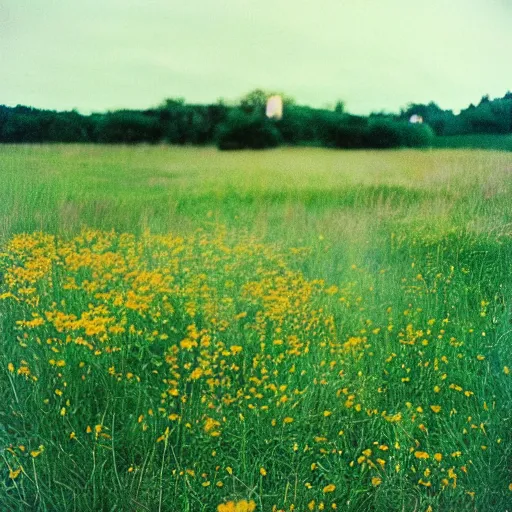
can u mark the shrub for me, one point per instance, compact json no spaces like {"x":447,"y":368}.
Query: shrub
{"x":344,"y":131}
{"x":298,"y":125}
{"x":417,"y":135}
{"x":128,"y":127}
{"x":383,"y":133}
{"x":243,"y":131}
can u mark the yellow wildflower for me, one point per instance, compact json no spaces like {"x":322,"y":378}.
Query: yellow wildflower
{"x":14,"y":473}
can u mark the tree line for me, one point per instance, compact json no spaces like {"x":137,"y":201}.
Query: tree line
{"x":488,"y":116}
{"x":244,"y":125}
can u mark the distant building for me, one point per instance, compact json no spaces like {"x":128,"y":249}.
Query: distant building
{"x":275,"y":107}
{"x":416,"y":119}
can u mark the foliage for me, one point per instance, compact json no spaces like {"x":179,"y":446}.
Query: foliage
{"x":247,"y":131}
{"x":255,"y":101}
{"x":383,"y":133}
{"x":176,"y":122}
{"x":127,"y":127}
{"x":343,"y":130}
{"x":489,"y":116}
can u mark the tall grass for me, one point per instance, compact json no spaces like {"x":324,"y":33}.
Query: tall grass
{"x":299,"y":329}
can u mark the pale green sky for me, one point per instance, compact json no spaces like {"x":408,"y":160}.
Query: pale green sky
{"x":373,"y":54}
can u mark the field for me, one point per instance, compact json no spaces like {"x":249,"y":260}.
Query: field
{"x":288,"y":330}
{"x":480,"y":141}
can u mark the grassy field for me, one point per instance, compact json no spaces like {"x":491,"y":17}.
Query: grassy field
{"x":288,"y":330}
{"x":479,"y":141}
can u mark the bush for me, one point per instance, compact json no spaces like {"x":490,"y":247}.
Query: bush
{"x":243,"y":131}
{"x":21,"y":127}
{"x":383,"y":133}
{"x":67,"y":127}
{"x":418,"y":135}
{"x":344,"y":131}
{"x":298,"y":125}
{"x":128,"y":127}
{"x":388,"y":133}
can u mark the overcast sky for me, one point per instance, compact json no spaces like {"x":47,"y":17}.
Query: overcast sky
{"x":95,"y":55}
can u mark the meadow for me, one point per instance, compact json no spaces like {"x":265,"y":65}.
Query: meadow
{"x":475,"y":141}
{"x":298,"y":329}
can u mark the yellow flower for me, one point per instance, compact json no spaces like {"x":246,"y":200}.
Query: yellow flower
{"x":229,"y":506}
{"x":288,"y":420}
{"x":435,"y":408}
{"x":421,"y":455}
{"x":329,"y":488}
{"x":13,"y":473}
{"x":245,"y":506}
{"x":438,"y":457}
{"x":263,"y":472}
{"x":209,"y":425}
{"x":196,"y":374}
{"x":241,"y":506}
{"x":164,"y":436}
{"x":376,"y":481}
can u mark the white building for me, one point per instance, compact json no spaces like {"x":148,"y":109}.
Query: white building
{"x":416,"y":119}
{"x":275,"y":107}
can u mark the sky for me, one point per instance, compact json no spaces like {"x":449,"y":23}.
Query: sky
{"x":96,"y":55}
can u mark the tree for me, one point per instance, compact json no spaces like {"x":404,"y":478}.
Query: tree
{"x":256,"y":100}
{"x":128,"y":127}
{"x":339,"y":107}
{"x":247,"y":131}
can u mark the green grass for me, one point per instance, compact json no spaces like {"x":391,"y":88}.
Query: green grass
{"x":480,"y":141}
{"x":350,"y":291}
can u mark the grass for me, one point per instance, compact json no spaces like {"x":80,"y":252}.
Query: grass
{"x":295,"y":329}
{"x":480,"y":141}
